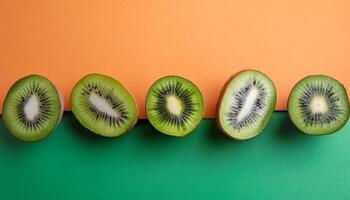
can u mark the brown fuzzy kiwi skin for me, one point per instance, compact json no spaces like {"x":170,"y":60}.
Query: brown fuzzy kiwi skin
{"x":219,"y":103}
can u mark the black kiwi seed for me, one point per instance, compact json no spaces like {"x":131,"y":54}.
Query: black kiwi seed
{"x":318,"y":105}
{"x":246,"y":104}
{"x":240,"y":98}
{"x":112,"y":112}
{"x":45,"y":111}
{"x":185,"y":97}
{"x":174,"y":105}
{"x":44,"y":106}
{"x":113,"y":100}
{"x":319,"y":89}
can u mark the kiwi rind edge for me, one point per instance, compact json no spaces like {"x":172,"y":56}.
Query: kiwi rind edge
{"x":202,"y":100}
{"x":61,"y":102}
{"x":90,"y":129}
{"x":288,"y":108}
{"x":221,"y":95}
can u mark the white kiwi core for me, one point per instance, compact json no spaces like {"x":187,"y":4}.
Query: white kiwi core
{"x":319,"y":105}
{"x":32,"y":108}
{"x":248,"y":105}
{"x":174,"y":105}
{"x":102,"y":105}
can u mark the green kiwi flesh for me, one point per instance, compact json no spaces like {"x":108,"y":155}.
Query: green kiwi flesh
{"x":246,"y":104}
{"x":318,"y":105}
{"x":103,"y":105}
{"x":32,"y":108}
{"x":174,"y":105}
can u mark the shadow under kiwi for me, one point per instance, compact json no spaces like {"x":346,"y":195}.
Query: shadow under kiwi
{"x":287,"y":132}
{"x":78,"y":131}
{"x":214,"y":138}
{"x":147,"y":136}
{"x":8,"y":141}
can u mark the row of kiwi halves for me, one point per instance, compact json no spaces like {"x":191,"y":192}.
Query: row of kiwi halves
{"x":317,"y":105}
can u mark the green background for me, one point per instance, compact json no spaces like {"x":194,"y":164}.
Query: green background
{"x":73,"y":163}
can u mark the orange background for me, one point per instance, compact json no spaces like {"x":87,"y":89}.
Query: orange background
{"x":137,"y":42}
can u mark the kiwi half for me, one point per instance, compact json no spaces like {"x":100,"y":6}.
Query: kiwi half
{"x":103,"y":105}
{"x":174,"y":105}
{"x":318,"y":105}
{"x":32,"y":108}
{"x":246,"y":104}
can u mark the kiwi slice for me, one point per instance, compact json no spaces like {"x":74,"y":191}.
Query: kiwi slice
{"x":174,"y":105}
{"x":246,"y":104}
{"x":103,"y":105}
{"x":32,"y":108}
{"x":318,"y":105}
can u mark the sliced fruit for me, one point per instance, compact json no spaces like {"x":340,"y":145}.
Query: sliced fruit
{"x":103,"y":105}
{"x":318,"y":105}
{"x":174,"y":105}
{"x":32,"y":108}
{"x":246,"y":104}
